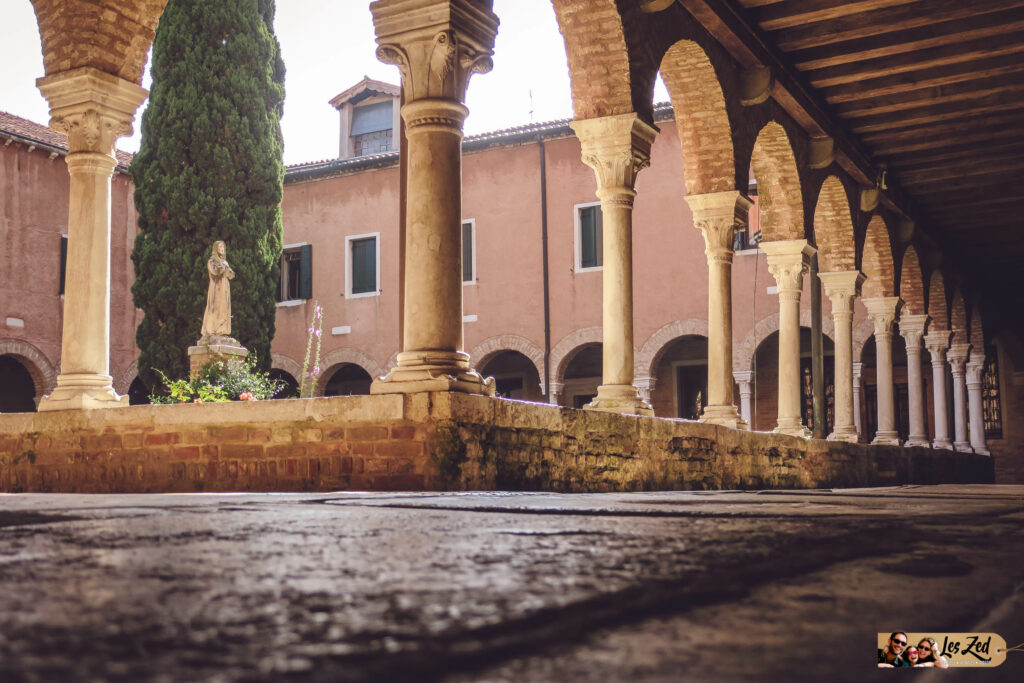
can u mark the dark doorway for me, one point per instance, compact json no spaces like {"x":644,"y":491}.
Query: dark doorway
{"x":17,"y":390}
{"x":348,"y":380}
{"x":291,"y":385}
{"x":691,"y":390}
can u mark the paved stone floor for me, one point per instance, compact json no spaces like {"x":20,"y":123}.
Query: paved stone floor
{"x":702,"y":586}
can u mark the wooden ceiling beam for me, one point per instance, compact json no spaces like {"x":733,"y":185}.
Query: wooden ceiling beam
{"x":938,"y":135}
{"x":798,"y":12}
{"x":996,"y":88}
{"x":953,"y":111}
{"x":945,"y":204}
{"x":954,"y":155}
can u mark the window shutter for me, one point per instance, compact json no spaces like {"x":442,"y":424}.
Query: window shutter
{"x":364,"y":266}
{"x":467,"y":252}
{"x":63,"y":262}
{"x":306,"y":271}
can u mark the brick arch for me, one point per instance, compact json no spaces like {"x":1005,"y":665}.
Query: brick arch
{"x":42,"y":371}
{"x":280,"y":361}
{"x":876,"y":260}
{"x":958,"y":318}
{"x":701,"y":119}
{"x":486,"y":350}
{"x":912,"y":283}
{"x":833,"y":227}
{"x":125,"y":376}
{"x":861,"y":333}
{"x":938,"y":304}
{"x":565,"y":350}
{"x":113,"y":37}
{"x":743,"y":353}
{"x":650,"y":355}
{"x":977,"y":331}
{"x":339,"y":357}
{"x":609,"y":65}
{"x":779,"y":190}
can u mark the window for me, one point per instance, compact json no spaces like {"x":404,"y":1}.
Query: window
{"x":469,"y":251}
{"x":372,"y":128}
{"x":589,"y":241}
{"x":362,"y":263}
{"x":372,"y":143}
{"x":991,"y":409}
{"x":63,"y":262}
{"x":296,"y":273}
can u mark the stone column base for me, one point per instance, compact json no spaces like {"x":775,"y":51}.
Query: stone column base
{"x":886,"y":439}
{"x":982,"y":451}
{"x":419,"y":371}
{"x":846,"y":434}
{"x":727,"y":416}
{"x":83,"y":391}
{"x":944,"y":445}
{"x":224,"y":348}
{"x":791,"y":426}
{"x":962,"y":447}
{"x":917,"y":441}
{"x":620,"y":398}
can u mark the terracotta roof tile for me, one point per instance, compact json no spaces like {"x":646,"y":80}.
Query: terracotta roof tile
{"x":15,"y":127}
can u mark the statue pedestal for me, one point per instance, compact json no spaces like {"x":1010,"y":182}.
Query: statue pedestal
{"x":209,"y":350}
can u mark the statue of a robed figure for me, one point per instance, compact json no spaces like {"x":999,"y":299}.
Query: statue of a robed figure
{"x":215,"y":340}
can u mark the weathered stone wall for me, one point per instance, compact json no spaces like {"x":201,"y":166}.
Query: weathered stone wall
{"x":430,"y":442}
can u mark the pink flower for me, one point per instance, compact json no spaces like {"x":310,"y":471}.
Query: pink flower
{"x":310,"y":330}
{"x":245,"y":396}
{"x":316,"y":370}
{"x":318,"y":333}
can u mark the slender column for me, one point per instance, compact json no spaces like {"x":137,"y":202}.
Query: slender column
{"x":975,"y":376}
{"x":842,"y":287}
{"x":94,"y":109}
{"x":617,"y":148}
{"x":912,"y":329}
{"x":882,"y":312}
{"x":788,"y":262}
{"x":857,"y":369}
{"x":718,"y":216}
{"x":437,"y":48}
{"x":745,"y":379}
{"x":937,"y":341}
{"x":957,"y":357}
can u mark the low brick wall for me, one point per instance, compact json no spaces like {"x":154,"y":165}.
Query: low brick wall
{"x":431,"y":442}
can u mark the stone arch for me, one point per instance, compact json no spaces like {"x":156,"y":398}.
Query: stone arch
{"x":492,"y":346}
{"x":833,"y":228}
{"x":958,"y":318}
{"x":938,"y":304}
{"x":912,"y":284}
{"x":113,"y":37}
{"x":609,"y":66}
{"x":701,"y":119}
{"x":340,"y":356}
{"x":877,"y":262}
{"x":650,"y":355}
{"x":743,"y":353}
{"x":123,"y":379}
{"x":286,"y":363}
{"x":779,"y":190}
{"x":42,"y":371}
{"x":566,"y":349}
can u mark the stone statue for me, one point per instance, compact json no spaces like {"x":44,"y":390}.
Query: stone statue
{"x":217,"y":319}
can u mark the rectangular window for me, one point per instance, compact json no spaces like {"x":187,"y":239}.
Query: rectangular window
{"x":296,"y":273}
{"x":469,"y":251}
{"x":362,"y":259}
{"x":372,"y":143}
{"x":63,"y":261}
{"x":589,"y":237}
{"x":991,"y":406}
{"x":372,"y":128}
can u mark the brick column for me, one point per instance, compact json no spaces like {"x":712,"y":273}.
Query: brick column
{"x":957,"y":358}
{"x":937,"y":341}
{"x":788,"y":262}
{"x":975,"y":376}
{"x":718,"y":216}
{"x":912,"y":329}
{"x":882,"y":312}
{"x":94,"y":109}
{"x":437,"y":45}
{"x":842,"y":287}
{"x":617,"y":148}
{"x":857,"y":369}
{"x":745,"y":381}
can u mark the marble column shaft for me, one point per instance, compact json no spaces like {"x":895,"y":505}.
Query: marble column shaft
{"x":857,"y":370}
{"x":745,"y":379}
{"x":937,"y":342}
{"x":912,"y":329}
{"x":957,"y":357}
{"x":842,"y":288}
{"x":883,"y":311}
{"x":975,"y":379}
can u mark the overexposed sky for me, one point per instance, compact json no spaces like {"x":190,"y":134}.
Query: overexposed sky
{"x":328,"y":46}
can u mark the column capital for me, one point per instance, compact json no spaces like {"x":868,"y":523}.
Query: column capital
{"x":436,"y":44}
{"x":743,"y":376}
{"x":788,"y":261}
{"x":718,"y":215}
{"x":91,"y":107}
{"x":912,"y":329}
{"x":957,"y":355}
{"x":617,"y":148}
{"x":858,"y":370}
{"x":975,"y":370}
{"x":842,"y":287}
{"x":937,"y":341}
{"x":882,"y":311}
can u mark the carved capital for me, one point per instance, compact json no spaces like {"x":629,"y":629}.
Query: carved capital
{"x":882,"y":311}
{"x":436,"y":44}
{"x":718,"y":216}
{"x":617,"y":148}
{"x":842,"y":287}
{"x":957,"y":357}
{"x":975,"y":370}
{"x":937,"y":341}
{"x":788,"y":262}
{"x":912,"y":329}
{"x":444,"y":116}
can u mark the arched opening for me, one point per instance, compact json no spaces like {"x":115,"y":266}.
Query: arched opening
{"x":869,"y":388}
{"x":347,"y":379}
{"x":291,"y":385}
{"x":583,"y":376}
{"x":681,"y":379}
{"x":138,"y":393}
{"x":766,"y":382}
{"x":17,"y":390}
{"x":515,"y":376}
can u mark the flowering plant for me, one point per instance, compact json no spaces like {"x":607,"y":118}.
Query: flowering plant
{"x":307,"y":384}
{"x":219,"y":381}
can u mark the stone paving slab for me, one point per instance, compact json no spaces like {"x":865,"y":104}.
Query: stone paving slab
{"x":779,"y":585}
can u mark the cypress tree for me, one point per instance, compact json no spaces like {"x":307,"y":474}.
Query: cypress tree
{"x":209,"y":168}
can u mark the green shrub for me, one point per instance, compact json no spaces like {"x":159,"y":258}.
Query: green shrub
{"x":219,"y":381}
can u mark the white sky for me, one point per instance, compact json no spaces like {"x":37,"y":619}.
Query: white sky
{"x":328,"y":46}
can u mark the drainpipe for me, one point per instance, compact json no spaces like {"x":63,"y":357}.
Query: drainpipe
{"x":544,"y":264}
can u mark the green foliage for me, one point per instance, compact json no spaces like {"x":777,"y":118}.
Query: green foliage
{"x":219,"y":381}
{"x":209,"y":168}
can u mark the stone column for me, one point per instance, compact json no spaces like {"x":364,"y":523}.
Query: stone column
{"x":718,"y":215}
{"x":437,"y":45}
{"x":957,"y":357}
{"x":857,"y":369}
{"x":912,"y":329}
{"x":975,"y":376}
{"x":882,"y":312}
{"x":937,"y":341}
{"x":617,"y":148}
{"x":788,"y":262}
{"x":93,"y":108}
{"x":745,"y":380}
{"x":842,"y":287}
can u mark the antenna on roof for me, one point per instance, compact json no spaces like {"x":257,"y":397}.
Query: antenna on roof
{"x":530,"y":91}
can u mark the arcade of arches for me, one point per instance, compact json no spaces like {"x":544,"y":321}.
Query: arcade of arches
{"x":823,"y":206}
